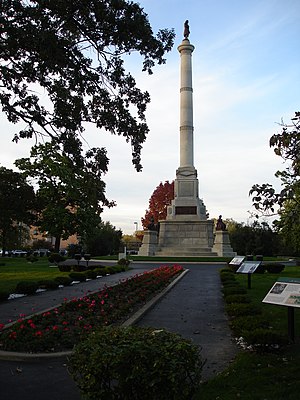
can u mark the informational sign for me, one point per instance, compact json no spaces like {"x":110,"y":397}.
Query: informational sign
{"x":248,"y":267}
{"x":237,"y":260}
{"x":285,"y":292}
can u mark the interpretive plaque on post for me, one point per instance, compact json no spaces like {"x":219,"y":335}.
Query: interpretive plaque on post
{"x":248,"y":267}
{"x":237,"y":260}
{"x":285,"y":292}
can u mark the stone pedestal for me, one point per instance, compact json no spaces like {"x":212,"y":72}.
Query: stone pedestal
{"x":222,"y":244}
{"x":186,"y":238}
{"x":149,"y":245}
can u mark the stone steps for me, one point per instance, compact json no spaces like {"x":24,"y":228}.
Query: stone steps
{"x":190,"y":251}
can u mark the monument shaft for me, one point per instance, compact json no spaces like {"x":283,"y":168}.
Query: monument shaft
{"x":186,"y":105}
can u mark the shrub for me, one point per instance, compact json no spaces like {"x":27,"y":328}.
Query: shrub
{"x":236,"y":309}
{"x":56,"y":258}
{"x":275,"y":268}
{"x":227,"y":277}
{"x":100,"y":271}
{"x":77,"y":276}
{"x":110,"y":270}
{"x":237,"y":298}
{"x":91,"y":274}
{"x":123,"y":262}
{"x":63,"y":280}
{"x":48,"y":284}
{"x":26,"y":287}
{"x":136,"y":363}
{"x":247,"y":323}
{"x":64,"y":267}
{"x":234,"y":289}
{"x":118,"y":268}
{"x":264,"y":339}
{"x":79,"y":268}
{"x":233,"y":268}
{"x":4,"y":295}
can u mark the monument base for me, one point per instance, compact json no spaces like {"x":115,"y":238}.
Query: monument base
{"x":186,"y":238}
{"x":149,"y":246}
{"x":222,"y":244}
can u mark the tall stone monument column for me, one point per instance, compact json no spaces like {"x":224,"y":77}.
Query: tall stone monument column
{"x":186,"y":230}
{"x":186,"y":106}
{"x":186,"y":186}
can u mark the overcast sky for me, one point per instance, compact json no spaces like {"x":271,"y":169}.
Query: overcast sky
{"x":246,"y":78}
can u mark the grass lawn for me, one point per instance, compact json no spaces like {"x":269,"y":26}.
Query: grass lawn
{"x":18,"y":269}
{"x":268,"y":376}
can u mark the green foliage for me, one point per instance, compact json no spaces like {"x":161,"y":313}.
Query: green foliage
{"x":103,"y":240}
{"x":79,"y":268}
{"x":56,"y":258}
{"x":4,"y":295}
{"x":63,"y":280}
{"x":64,"y":267}
{"x":233,"y":289}
{"x":255,"y":238}
{"x":26,"y":287}
{"x":100,"y":271}
{"x":80,"y":83}
{"x":237,"y":298}
{"x":286,"y":202}
{"x":49,"y":284}
{"x":123,"y":262}
{"x":73,"y":249}
{"x":78,"y":276}
{"x":239,"y":309}
{"x":14,"y":213}
{"x":136,"y":363}
{"x":264,"y":339}
{"x":70,"y":187}
{"x":91,"y":274}
{"x":227,"y":276}
{"x":274,"y":268}
{"x":110,"y":270}
{"x":247,"y":323}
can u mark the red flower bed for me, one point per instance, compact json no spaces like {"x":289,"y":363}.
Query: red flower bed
{"x":61,"y":328}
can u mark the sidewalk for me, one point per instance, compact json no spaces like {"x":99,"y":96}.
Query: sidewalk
{"x":193,"y":308}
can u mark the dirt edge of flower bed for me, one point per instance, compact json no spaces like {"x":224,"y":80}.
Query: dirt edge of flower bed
{"x":18,"y":356}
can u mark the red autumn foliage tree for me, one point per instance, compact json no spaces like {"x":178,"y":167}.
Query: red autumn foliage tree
{"x":160,"y":199}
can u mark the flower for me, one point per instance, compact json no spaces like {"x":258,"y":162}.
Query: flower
{"x":66,"y":324}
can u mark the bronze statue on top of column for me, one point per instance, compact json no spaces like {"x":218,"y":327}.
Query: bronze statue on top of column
{"x":186,"y":32}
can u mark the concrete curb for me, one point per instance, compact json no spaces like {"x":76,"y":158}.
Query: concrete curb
{"x":138,"y":315}
{"x":18,"y":356}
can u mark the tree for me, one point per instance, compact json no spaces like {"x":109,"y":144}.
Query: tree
{"x":265,"y":198}
{"x":103,"y":240}
{"x":17,"y":206}
{"x":255,"y":238}
{"x":71,"y":194}
{"x":62,"y":67}
{"x":159,"y":200}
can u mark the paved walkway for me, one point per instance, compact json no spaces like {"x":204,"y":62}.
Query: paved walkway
{"x":193,"y":308}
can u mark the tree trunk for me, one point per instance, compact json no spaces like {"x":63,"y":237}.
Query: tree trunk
{"x":57,"y":244}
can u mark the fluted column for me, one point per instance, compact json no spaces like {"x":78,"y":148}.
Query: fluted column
{"x":186,"y":105}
